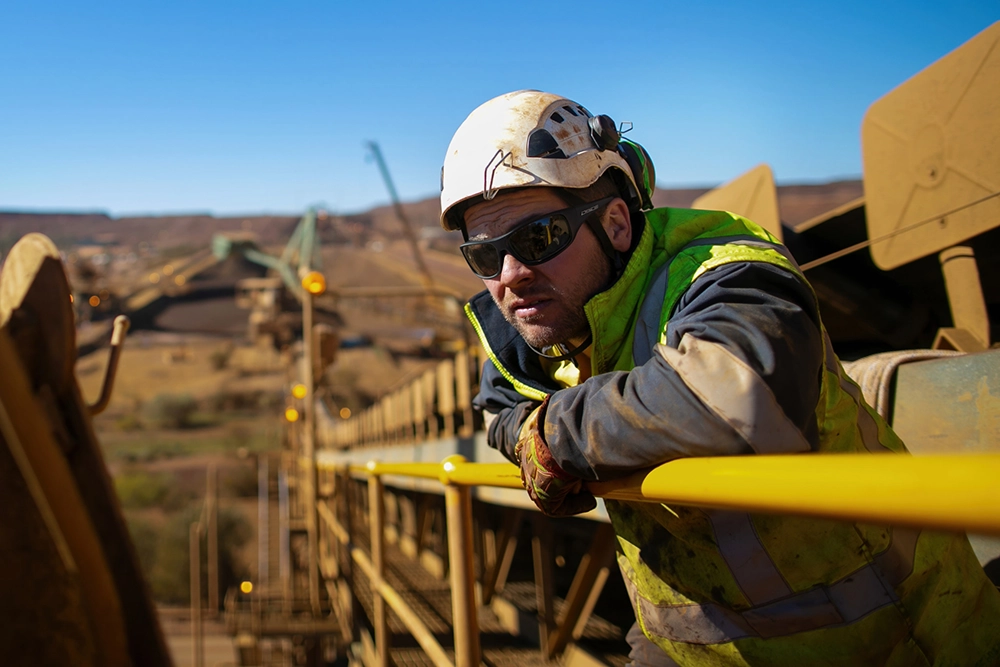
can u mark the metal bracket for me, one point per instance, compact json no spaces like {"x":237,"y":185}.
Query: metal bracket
{"x":118,"y":333}
{"x":489,"y":174}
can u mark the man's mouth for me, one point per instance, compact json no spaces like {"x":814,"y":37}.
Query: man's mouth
{"x":526,"y":309}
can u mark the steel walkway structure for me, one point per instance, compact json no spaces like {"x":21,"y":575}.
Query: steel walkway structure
{"x":413,"y":541}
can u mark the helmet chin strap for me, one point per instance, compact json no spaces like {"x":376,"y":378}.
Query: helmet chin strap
{"x":594,"y":222}
{"x":566,"y":355}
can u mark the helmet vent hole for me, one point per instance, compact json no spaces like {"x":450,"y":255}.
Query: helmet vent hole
{"x":584,"y":112}
{"x":543,"y":144}
{"x":557,"y":117}
{"x":571,"y":110}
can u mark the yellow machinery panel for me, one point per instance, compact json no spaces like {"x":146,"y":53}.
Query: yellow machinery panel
{"x":930,"y":150}
{"x":752,"y":195}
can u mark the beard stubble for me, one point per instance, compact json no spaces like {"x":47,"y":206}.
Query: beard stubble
{"x":567,"y":321}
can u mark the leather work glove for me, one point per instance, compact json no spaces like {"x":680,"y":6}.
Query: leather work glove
{"x":552,"y":489}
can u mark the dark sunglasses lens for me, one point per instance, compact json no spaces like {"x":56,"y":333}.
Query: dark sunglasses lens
{"x":541,"y":240}
{"x":483,"y":259}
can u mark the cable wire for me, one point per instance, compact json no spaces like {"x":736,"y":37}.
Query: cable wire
{"x":864,"y":244}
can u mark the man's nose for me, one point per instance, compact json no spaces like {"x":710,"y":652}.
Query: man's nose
{"x":513,"y":273}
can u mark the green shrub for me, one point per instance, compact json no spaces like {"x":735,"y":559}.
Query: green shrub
{"x":145,"y":538}
{"x":170,"y":575}
{"x":246,"y":400}
{"x":171,"y":410}
{"x":219,"y":359}
{"x":142,"y":490}
{"x":129,"y":422}
{"x":240,"y":481}
{"x":234,"y":400}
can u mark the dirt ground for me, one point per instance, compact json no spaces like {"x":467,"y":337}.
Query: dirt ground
{"x":154,"y":362}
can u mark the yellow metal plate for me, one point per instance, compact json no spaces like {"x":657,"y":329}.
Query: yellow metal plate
{"x":751,"y":195}
{"x":930,"y":147}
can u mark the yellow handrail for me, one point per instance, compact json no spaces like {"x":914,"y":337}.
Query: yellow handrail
{"x":422,"y":470}
{"x":452,"y":470}
{"x":951,"y":492}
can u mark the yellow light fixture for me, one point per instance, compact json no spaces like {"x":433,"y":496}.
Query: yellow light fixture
{"x":154,"y":278}
{"x":94,"y":301}
{"x":314,"y":283}
{"x":345,"y":412}
{"x":291,"y":414}
{"x":168,"y":269}
{"x":246,"y":587}
{"x":299,"y":391}
{"x":180,"y":280}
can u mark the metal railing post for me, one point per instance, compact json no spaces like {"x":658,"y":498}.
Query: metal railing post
{"x":465,"y":621}
{"x":376,"y":514}
{"x":348,"y":601}
{"x":309,"y":447}
{"x":962,"y":488}
{"x":263,"y":524}
{"x":212,"y":534}
{"x":284,"y":542}
{"x":541,"y":551}
{"x":495,"y":578}
{"x":585,"y":589}
{"x":197,"y":649}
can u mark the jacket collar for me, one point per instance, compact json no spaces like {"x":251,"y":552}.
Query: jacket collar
{"x":612,"y":312}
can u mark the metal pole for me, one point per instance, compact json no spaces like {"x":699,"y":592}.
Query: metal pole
{"x":458,"y":507}
{"x":350,"y":605}
{"x":284,"y":542}
{"x":212,"y":496}
{"x":309,"y":447}
{"x":541,"y":550}
{"x":586,"y":587}
{"x":121,"y":326}
{"x":965,"y":295}
{"x":263,"y":526}
{"x":196,"y":629}
{"x":496,"y":578}
{"x":376,"y":514}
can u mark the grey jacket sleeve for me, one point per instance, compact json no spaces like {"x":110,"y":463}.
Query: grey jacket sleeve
{"x":752,"y":317}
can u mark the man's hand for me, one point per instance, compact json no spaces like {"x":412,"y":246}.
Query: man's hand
{"x":552,"y":489}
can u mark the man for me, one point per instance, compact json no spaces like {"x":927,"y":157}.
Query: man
{"x":623,"y":337}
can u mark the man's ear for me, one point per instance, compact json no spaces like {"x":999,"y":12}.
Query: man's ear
{"x":618,"y":225}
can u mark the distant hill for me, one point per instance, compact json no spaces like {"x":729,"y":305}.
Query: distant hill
{"x":797,"y":203}
{"x":159,"y":231}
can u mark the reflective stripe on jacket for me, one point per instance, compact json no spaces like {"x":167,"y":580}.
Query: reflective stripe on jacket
{"x":730,"y":588}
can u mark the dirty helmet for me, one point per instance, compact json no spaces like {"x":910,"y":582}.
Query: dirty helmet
{"x":528,"y":138}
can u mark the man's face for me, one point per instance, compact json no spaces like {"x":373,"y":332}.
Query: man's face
{"x":543,"y":302}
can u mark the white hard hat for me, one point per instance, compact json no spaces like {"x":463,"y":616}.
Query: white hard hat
{"x":528,"y":138}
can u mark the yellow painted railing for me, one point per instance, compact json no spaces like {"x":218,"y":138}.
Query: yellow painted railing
{"x":948,"y":492}
{"x":435,"y":404}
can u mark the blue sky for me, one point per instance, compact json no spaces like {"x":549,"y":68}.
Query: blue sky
{"x":252,"y":107}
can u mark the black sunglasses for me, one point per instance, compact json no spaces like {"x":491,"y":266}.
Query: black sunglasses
{"x":532,"y":242}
